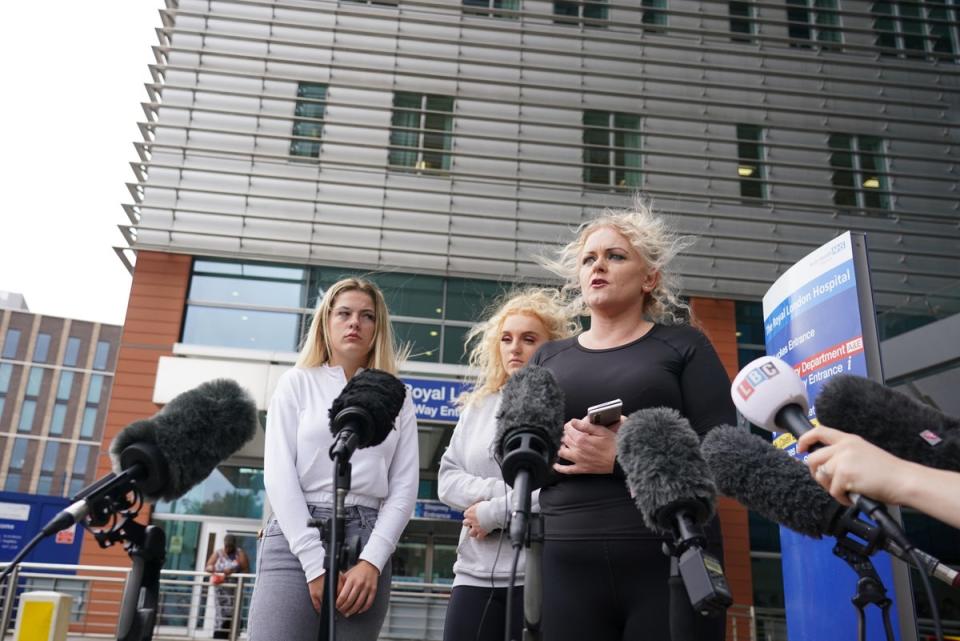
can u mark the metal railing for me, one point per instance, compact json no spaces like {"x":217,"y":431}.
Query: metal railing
{"x":187,"y":605}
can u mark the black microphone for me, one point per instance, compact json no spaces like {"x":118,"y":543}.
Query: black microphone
{"x":365,"y":412}
{"x":670,"y":483}
{"x":529,"y":430}
{"x":167,"y":454}
{"x":777,"y":486}
{"x":891,"y":420}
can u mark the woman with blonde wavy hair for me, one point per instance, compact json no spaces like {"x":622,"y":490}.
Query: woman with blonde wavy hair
{"x":640,"y":349}
{"x":470,"y":479}
{"x":350,"y":331}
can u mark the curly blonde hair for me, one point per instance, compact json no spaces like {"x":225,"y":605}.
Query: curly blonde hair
{"x":316,"y":347}
{"x":656,"y":243}
{"x":547,"y":305}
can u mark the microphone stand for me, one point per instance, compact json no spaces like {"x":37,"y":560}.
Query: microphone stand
{"x":870,"y":589}
{"x":533,"y":581}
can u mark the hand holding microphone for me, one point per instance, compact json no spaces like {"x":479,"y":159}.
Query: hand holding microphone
{"x":847,"y":463}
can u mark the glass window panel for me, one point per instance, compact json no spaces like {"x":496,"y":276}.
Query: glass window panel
{"x":18,"y":457}
{"x":27,"y":412}
{"x":470,"y":300}
{"x":3,"y":404}
{"x":41,"y":349}
{"x":595,"y":9}
{"x":217,"y":267}
{"x":423,"y":339}
{"x":253,"y":291}
{"x":75,"y":486}
{"x":310,"y":104}
{"x":50,"y":454}
{"x":34,"y":381}
{"x":58,"y":419}
{"x":81,"y":459}
{"x":651,"y":16}
{"x":411,"y":294}
{"x":95,"y":390}
{"x":6,"y":371}
{"x":241,"y":328}
{"x":89,"y":422}
{"x":72,"y":352}
{"x":454,"y":350}
{"x":10,"y":343}
{"x":228,"y":491}
{"x":12,"y":483}
{"x":65,"y":385}
{"x":43,"y":485}
{"x":103,"y":353}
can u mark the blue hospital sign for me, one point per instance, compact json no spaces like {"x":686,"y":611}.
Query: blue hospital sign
{"x":435,"y":399}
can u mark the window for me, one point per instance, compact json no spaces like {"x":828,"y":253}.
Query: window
{"x":58,"y":418}
{"x":102,"y":355}
{"x":591,"y":13}
{"x":421,"y":131}
{"x":813,"y":21}
{"x":6,"y":371}
{"x":18,"y":459}
{"x":34,"y":382}
{"x":741,"y":20}
{"x":859,"y":172}
{"x":11,"y":343}
{"x":492,"y":8}
{"x":41,"y":349}
{"x":81,"y":461}
{"x":611,"y":149}
{"x":308,"y":120}
{"x":750,"y":165}
{"x":654,"y":14}
{"x":65,"y":386}
{"x":47,"y":469}
{"x":72,"y":352}
{"x":95,"y":390}
{"x":28,"y":411}
{"x":89,"y":424}
{"x":916,"y":28}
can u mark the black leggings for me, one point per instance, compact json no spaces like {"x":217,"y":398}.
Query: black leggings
{"x":612,"y":591}
{"x":466,"y":607}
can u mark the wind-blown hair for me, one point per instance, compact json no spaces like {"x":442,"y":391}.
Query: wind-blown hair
{"x":546,"y":305}
{"x":316,"y":346}
{"x":656,"y":243}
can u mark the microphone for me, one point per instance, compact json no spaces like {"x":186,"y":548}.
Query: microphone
{"x":891,"y":420}
{"x":165,"y":455}
{"x":529,"y":429}
{"x":365,"y":412}
{"x":670,"y":483}
{"x":777,"y":486}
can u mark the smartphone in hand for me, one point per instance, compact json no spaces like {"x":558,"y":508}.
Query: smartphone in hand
{"x":605,"y":413}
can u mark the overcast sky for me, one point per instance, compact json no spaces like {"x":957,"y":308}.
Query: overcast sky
{"x":73,"y":76}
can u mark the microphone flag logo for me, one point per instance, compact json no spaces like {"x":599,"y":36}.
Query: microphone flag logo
{"x":755,"y":377}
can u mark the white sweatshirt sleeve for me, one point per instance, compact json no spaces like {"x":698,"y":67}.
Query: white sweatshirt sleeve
{"x":403,"y":477}
{"x":281,"y":480}
{"x":457,"y":487}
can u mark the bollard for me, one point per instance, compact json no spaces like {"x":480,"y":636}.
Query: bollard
{"x":43,"y":616}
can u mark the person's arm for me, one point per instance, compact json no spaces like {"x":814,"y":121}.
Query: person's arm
{"x":243,"y":566}
{"x":457,"y":487}
{"x":705,"y":388}
{"x":282,"y":482}
{"x":210,"y":566}
{"x":848,"y":464}
{"x":359,"y":587}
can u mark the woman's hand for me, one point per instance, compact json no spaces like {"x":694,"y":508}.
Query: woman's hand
{"x":591,"y":449}
{"x":847,"y":463}
{"x":358,"y":589}
{"x":472,"y":522}
{"x":316,"y":591}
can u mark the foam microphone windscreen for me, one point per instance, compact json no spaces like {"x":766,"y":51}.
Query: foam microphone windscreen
{"x":660,"y":454}
{"x":891,"y":420}
{"x":768,"y":481}
{"x":531,"y":401}
{"x":377,"y":392}
{"x":193,"y":433}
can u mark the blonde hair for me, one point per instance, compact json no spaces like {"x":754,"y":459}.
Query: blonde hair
{"x":656,"y":243}
{"x":546,"y":305}
{"x":316,"y":346}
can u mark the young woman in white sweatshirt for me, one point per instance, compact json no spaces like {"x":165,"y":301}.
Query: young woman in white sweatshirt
{"x":350,"y":331}
{"x":469,"y":478}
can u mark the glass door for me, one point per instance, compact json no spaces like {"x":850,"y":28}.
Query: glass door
{"x":211,"y":540}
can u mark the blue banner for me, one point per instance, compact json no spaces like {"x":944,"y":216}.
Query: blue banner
{"x":22,"y":516}
{"x":812,"y":321}
{"x":435,"y":399}
{"x":426,"y":509}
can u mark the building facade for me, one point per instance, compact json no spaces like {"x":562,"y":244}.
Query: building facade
{"x":440,"y":146}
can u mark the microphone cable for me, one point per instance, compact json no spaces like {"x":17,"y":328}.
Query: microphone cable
{"x":496,"y":559}
{"x":928,"y":589}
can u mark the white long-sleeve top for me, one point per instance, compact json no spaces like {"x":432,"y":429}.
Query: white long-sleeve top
{"x":297,"y":469}
{"x":468,"y":475}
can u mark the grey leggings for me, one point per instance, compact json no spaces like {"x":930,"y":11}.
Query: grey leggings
{"x":281,"y":608}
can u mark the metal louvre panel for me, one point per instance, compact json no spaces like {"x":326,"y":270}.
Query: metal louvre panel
{"x":218,"y":176}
